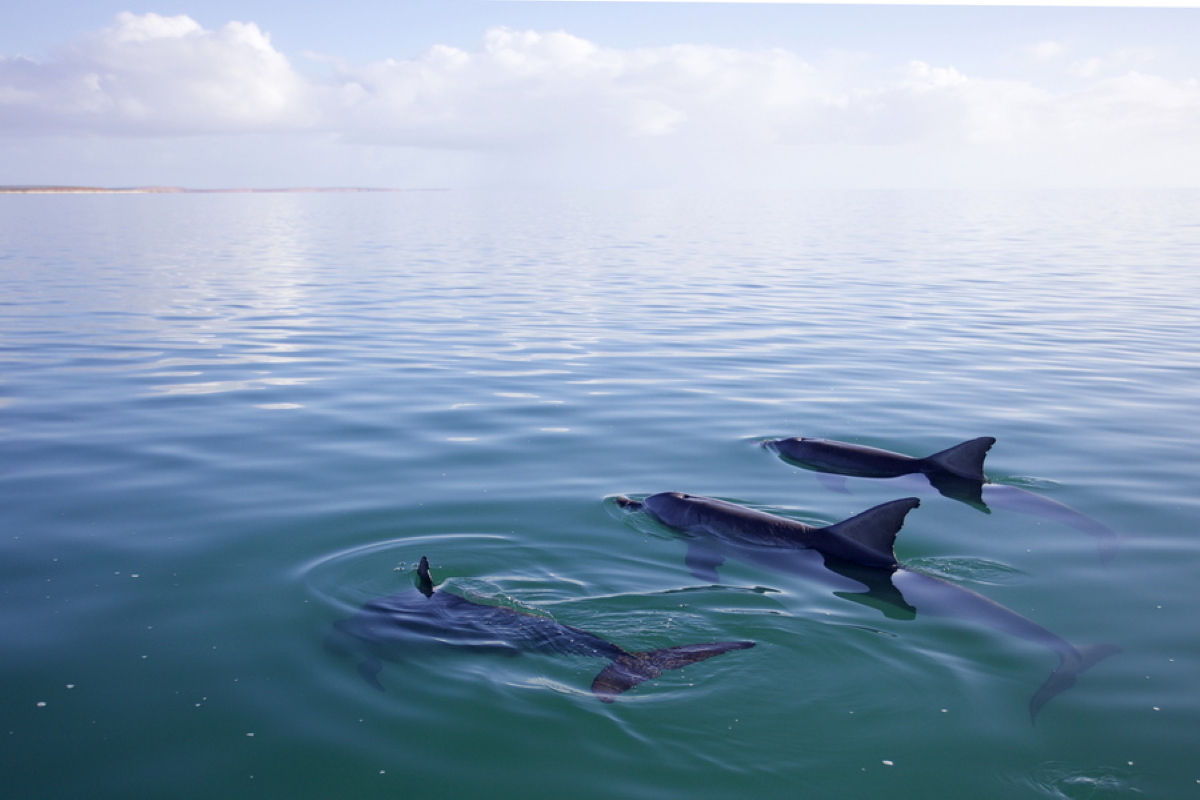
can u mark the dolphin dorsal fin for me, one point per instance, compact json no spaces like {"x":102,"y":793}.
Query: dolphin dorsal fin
{"x":868,"y":538}
{"x":424,"y":580}
{"x":964,"y":460}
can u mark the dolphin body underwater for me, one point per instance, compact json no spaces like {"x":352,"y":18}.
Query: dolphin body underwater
{"x":390,"y":626}
{"x":956,"y":472}
{"x":851,"y":555}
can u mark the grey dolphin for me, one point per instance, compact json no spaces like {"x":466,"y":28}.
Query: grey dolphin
{"x":956,"y":472}
{"x":389,"y":627}
{"x":963,"y":460}
{"x":849,"y":556}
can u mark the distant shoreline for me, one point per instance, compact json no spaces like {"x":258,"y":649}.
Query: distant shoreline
{"x":181,"y":190}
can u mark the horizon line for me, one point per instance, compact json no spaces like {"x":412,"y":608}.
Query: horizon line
{"x":1153,"y":4}
{"x":76,"y":189}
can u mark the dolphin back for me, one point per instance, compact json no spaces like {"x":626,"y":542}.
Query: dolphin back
{"x":629,"y":669}
{"x":843,"y":458}
{"x":963,"y":460}
{"x":869,"y":538}
{"x":387,"y":628}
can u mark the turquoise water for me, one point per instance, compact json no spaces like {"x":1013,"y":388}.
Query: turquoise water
{"x":227,"y":421}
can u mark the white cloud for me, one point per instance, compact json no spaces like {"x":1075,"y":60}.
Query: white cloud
{"x":149,"y":74}
{"x":1087,"y":67}
{"x":527,"y":89}
{"x":1134,"y":108}
{"x":1119,"y":60}
{"x":557,"y":100}
{"x":1047,"y":50}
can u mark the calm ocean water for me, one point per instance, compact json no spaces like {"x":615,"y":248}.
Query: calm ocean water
{"x":227,"y":421}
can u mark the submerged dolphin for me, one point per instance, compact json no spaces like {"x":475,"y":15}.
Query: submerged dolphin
{"x":389,"y":626}
{"x":851,"y":555}
{"x":956,"y":472}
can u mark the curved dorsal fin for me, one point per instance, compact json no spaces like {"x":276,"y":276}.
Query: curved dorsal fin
{"x":868,"y":538}
{"x":964,"y":460}
{"x":424,"y":580}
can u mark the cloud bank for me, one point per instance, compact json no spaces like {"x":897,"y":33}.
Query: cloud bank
{"x":556,"y":102}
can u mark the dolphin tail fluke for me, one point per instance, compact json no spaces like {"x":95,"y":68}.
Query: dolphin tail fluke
{"x":369,"y":669}
{"x":964,"y":460}
{"x":629,"y":669}
{"x":1094,"y":653}
{"x":1073,"y":665}
{"x":1107,"y":540}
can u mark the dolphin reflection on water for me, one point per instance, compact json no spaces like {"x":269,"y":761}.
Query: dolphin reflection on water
{"x":391,"y":627}
{"x":851,"y":556}
{"x":956,"y":472}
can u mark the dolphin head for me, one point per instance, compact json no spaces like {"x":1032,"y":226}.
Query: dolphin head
{"x":674,"y":509}
{"x":814,"y":454}
{"x":808,"y":452}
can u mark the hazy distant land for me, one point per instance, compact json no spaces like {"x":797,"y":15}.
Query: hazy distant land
{"x":181,"y":190}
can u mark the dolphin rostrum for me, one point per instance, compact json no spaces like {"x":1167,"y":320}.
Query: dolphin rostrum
{"x":387,"y":627}
{"x":956,"y":472}
{"x":852,"y":555}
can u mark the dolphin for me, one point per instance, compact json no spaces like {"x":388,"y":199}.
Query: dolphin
{"x":850,"y":556}
{"x":956,"y":472}
{"x":389,"y":626}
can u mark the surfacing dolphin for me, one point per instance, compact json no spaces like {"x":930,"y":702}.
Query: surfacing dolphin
{"x":850,"y":556}
{"x":956,"y":472}
{"x":390,"y":626}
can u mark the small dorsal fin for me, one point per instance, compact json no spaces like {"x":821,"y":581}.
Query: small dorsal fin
{"x":868,"y":538}
{"x":964,"y":460}
{"x":424,"y":580}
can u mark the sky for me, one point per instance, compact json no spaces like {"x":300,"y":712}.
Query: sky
{"x":554,"y":94}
